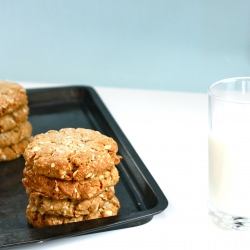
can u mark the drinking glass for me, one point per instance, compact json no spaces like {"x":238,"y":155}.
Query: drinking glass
{"x":229,"y":153}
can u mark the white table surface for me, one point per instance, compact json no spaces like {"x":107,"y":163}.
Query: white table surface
{"x":169,"y":132}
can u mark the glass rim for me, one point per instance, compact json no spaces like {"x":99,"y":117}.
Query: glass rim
{"x":228,"y":80}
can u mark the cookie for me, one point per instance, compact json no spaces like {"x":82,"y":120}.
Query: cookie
{"x":71,"y":154}
{"x":12,"y":97}
{"x":14,"y":136}
{"x":11,"y":120}
{"x":73,"y":208}
{"x":14,"y":151}
{"x":75,"y":190}
{"x":38,"y":220}
{"x":102,"y":210}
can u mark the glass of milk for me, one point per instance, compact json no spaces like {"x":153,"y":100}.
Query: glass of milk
{"x":229,"y":153}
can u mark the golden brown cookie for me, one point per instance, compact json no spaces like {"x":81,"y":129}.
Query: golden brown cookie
{"x":72,"y":208}
{"x":12,"y":97}
{"x":101,"y":210}
{"x":14,"y":151}
{"x":15,"y":135}
{"x":75,"y":190}
{"x":71,"y":154}
{"x":11,"y":120}
{"x":38,"y":220}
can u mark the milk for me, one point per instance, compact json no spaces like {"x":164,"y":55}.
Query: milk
{"x":229,"y":153}
{"x":229,"y":170}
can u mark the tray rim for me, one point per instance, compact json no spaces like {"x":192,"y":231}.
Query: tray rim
{"x":109,"y":223}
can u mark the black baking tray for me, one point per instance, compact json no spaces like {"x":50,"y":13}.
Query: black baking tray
{"x":77,"y":106}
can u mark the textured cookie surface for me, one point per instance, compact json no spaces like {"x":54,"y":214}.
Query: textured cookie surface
{"x":15,"y":135}
{"x":73,"y":208}
{"x":12,"y":97}
{"x":11,"y":120}
{"x":75,"y":190}
{"x":71,"y":154}
{"x":14,"y":151}
{"x":104,"y":209}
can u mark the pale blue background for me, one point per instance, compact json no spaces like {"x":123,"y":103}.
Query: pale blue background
{"x":154,"y":44}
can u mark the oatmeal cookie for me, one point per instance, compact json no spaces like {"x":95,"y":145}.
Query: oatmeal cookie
{"x":14,"y":151}
{"x":12,"y":97}
{"x":15,"y":135}
{"x":75,"y":190}
{"x":71,"y":154}
{"x":73,"y":208}
{"x":103,"y":209}
{"x":11,"y":120}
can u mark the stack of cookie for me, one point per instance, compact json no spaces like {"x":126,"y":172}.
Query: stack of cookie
{"x":15,"y":129}
{"x":70,"y":175}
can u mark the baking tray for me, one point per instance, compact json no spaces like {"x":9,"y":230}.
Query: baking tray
{"x":77,"y":106}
